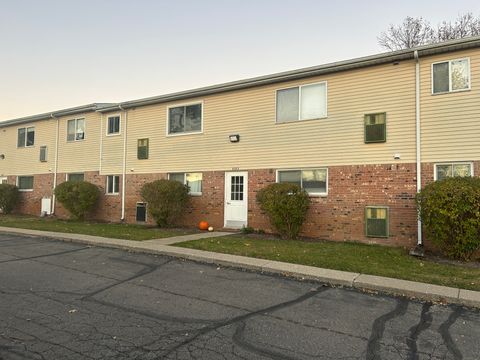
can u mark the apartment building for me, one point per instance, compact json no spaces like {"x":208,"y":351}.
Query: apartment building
{"x":360,"y":136}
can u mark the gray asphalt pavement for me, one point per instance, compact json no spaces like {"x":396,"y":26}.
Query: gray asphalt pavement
{"x":68,"y":301}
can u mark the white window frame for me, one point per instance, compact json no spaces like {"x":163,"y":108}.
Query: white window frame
{"x":119,"y":125}
{"x":185,"y":180}
{"x":146,"y":212}
{"x":3,"y":178}
{"x":106,"y":185}
{"x":18,"y":183}
{"x":324,"y":194}
{"x":300,"y":102}
{"x":26,"y":136}
{"x":450,"y":90}
{"x":452,"y":163}
{"x":46,"y":153}
{"x":167,"y":127}
{"x":84,"y":132}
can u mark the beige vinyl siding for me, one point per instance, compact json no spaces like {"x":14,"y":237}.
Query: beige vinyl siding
{"x":112,"y":148}
{"x":335,"y":140}
{"x":84,"y":155}
{"x":26,"y":160}
{"x":450,"y":121}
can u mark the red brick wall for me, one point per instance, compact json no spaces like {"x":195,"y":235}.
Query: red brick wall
{"x":338,"y":216}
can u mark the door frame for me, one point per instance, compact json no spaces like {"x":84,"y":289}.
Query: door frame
{"x":226,"y":193}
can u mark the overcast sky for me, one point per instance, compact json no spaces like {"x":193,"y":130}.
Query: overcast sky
{"x":56,"y":54}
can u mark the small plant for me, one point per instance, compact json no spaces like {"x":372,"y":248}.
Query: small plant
{"x":78,"y":197}
{"x":286,"y":205}
{"x":167,"y":200}
{"x":9,"y":197}
{"x":247,"y":230}
{"x":450,"y":212}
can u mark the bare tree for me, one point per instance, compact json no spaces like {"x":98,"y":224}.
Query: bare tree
{"x":417,"y":31}
{"x":412,"y":32}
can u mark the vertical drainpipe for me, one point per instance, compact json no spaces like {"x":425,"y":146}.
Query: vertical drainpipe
{"x":124,"y":168}
{"x":418,"y":139}
{"x":101,"y":145}
{"x":55,"y":166}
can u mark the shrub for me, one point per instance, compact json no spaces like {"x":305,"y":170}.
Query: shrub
{"x":450,"y":212}
{"x":286,"y":205}
{"x":78,"y":197}
{"x":167,"y":200}
{"x":9,"y":196}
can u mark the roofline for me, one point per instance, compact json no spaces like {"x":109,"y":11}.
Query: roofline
{"x":356,"y":63}
{"x":55,"y":114}
{"x":407,"y":54}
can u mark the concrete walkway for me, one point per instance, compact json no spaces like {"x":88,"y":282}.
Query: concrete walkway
{"x":422,"y":291}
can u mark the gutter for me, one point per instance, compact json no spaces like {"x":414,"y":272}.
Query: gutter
{"x":124,"y":167}
{"x":418,"y":141}
{"x":55,"y":166}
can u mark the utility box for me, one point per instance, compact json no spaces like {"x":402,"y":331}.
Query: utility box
{"x":46,"y":206}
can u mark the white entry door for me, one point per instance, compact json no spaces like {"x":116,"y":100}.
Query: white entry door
{"x":236,"y":199}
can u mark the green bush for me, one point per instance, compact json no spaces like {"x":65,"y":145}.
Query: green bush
{"x":286,"y":205}
{"x":167,"y":200}
{"x":9,"y":197}
{"x":78,"y":197}
{"x":450,"y":212}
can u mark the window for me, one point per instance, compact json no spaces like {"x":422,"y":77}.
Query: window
{"x":26,"y":137}
{"x":25,"y":183}
{"x":76,"y":130}
{"x":113,"y":184}
{"x":443,"y":171}
{"x":453,"y":75}
{"x":302,"y":102}
{"x":142,"y":149}
{"x":185,"y":119}
{"x":141,"y":213}
{"x":314,"y":181}
{"x":3,"y":180}
{"x":76,"y":177}
{"x":376,"y":221}
{"x":113,"y":125}
{"x":192,"y":180}
{"x":43,"y":154}
{"x":375,"y":128}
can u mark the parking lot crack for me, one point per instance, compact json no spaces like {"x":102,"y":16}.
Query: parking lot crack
{"x":416,"y":330}
{"x":444,"y":330}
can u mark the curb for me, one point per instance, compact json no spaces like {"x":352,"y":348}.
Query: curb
{"x":411,"y":289}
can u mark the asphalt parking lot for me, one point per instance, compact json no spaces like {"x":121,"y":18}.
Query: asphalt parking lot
{"x":68,"y":301}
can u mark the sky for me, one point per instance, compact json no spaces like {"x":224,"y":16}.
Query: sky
{"x":56,"y":54}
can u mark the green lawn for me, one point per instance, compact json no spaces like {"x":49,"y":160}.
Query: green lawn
{"x":118,"y":231}
{"x":354,"y":257}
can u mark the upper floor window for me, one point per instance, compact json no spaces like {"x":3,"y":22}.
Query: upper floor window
{"x":76,"y":130}
{"x":445,"y":170}
{"x":192,"y":180}
{"x":113,"y":125}
{"x":26,"y":137}
{"x":313,"y":181}
{"x":43,"y":153}
{"x":375,"y":128}
{"x":302,"y":102}
{"x":185,"y":119}
{"x":453,"y":75}
{"x":142,"y":149}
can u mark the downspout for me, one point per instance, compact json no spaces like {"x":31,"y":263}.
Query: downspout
{"x":101,"y":144}
{"x":55,"y":166}
{"x":124,"y":168}
{"x":418,"y":140}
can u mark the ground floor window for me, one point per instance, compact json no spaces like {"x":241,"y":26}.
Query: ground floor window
{"x":113,"y":184}
{"x":445,"y":170}
{"x":3,"y":180}
{"x":192,"y":180}
{"x":76,"y":177}
{"x":314,"y":181}
{"x":25,"y":183}
{"x":376,"y":221}
{"x":141,"y":213}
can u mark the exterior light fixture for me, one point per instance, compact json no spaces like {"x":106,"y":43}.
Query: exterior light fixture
{"x":234,"y":138}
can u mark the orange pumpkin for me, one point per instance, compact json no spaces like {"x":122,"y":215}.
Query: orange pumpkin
{"x":203,"y":225}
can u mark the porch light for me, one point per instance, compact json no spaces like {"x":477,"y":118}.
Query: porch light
{"x":234,"y":138}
